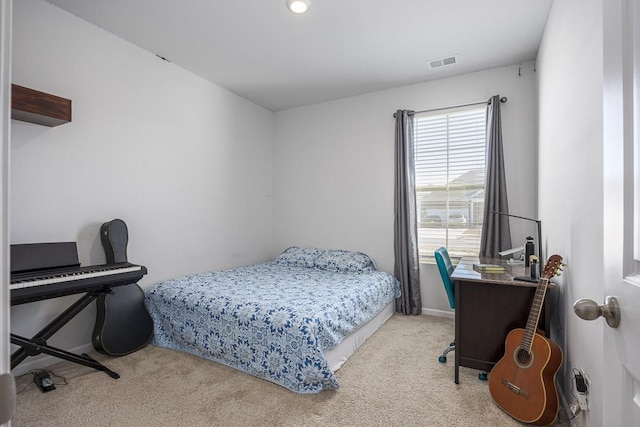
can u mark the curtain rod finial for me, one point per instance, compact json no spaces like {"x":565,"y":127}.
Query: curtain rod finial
{"x":503,"y":99}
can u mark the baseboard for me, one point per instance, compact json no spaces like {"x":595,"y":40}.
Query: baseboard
{"x":438,"y":313}
{"x":44,"y":360}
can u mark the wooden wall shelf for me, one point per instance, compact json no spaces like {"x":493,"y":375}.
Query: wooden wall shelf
{"x":29,"y":105}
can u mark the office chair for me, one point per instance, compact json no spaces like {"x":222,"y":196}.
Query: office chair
{"x":446,"y":268}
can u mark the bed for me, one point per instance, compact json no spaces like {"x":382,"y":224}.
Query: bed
{"x":293,"y":320}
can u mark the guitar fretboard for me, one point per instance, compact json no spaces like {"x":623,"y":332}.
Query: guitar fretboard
{"x":534,"y":314}
{"x":550,"y":270}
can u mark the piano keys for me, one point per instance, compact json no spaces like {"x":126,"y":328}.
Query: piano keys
{"x":34,"y":276}
{"x":29,"y":287}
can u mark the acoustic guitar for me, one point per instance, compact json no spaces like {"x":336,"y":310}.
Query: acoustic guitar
{"x":123,"y":324}
{"x":522,"y":383}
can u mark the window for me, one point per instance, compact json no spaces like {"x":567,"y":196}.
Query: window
{"x":450,"y":176}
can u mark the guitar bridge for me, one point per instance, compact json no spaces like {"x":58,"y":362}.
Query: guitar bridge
{"x":514,"y":388}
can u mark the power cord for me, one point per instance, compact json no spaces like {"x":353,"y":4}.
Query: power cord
{"x":562,"y":420}
{"x":581,"y":386}
{"x":563,"y":416}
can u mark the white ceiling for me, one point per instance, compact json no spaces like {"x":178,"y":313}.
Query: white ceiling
{"x":339,"y":48}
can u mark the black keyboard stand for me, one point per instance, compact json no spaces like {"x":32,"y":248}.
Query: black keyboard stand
{"x":38,"y":344}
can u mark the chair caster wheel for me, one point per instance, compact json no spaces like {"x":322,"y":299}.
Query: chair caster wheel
{"x":442,"y":359}
{"x":482,"y":376}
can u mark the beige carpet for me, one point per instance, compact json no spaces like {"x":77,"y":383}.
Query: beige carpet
{"x":394,"y":379}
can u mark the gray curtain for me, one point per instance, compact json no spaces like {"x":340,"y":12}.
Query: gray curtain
{"x":405,"y":247}
{"x":496,"y":234}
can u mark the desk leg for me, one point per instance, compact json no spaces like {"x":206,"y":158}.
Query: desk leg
{"x":457,"y":333}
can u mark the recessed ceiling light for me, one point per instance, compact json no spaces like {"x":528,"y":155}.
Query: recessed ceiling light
{"x":298,"y":6}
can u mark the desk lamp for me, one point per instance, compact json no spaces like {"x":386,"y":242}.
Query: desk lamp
{"x":537,"y":221}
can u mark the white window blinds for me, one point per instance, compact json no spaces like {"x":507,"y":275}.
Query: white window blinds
{"x":450,"y":177}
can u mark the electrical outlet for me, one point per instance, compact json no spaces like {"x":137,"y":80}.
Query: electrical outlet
{"x":581,"y":383}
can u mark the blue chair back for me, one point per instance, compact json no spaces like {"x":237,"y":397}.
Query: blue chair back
{"x":446,"y":268}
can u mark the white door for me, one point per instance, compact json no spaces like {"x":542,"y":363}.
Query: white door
{"x":621,"y":209}
{"x":7,"y":386}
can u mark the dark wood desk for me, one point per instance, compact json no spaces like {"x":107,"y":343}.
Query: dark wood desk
{"x":488,"y":307}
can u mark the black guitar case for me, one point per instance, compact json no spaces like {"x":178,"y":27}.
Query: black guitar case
{"x":123,"y":324}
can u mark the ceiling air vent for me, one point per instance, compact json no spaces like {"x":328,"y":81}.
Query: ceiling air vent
{"x":441,"y":62}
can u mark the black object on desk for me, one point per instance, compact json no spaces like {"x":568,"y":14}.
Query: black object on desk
{"x":488,"y":307}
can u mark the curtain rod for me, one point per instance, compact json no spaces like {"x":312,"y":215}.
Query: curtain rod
{"x":502,"y":101}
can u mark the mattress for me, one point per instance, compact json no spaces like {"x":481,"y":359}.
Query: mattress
{"x":272,"y":320}
{"x":339,"y":354}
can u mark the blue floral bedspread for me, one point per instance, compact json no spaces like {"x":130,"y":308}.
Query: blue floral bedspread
{"x":269,"y":320}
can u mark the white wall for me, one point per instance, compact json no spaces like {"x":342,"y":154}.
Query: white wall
{"x":570,"y":64}
{"x":185,"y":163}
{"x":334,"y":165}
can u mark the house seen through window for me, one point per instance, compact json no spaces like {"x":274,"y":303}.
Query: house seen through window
{"x":450,"y":177}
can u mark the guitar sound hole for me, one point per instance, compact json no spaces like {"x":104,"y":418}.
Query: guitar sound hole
{"x":523,"y":357}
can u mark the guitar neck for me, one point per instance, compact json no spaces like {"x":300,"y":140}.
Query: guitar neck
{"x":534,"y":314}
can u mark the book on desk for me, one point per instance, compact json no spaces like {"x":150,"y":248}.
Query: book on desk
{"x":488,"y":268}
